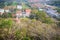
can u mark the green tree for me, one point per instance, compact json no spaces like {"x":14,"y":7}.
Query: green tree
{"x":4,"y":23}
{"x":58,"y":10}
{"x":40,"y":15}
{"x":6,"y":15}
{"x":2,"y":5}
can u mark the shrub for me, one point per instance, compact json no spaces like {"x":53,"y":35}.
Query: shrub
{"x":6,"y":15}
{"x":4,"y":23}
{"x":26,"y":30}
{"x":58,"y":10}
{"x":42,"y":16}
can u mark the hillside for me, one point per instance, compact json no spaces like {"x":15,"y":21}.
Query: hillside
{"x":27,"y":30}
{"x":38,"y":27}
{"x":29,"y":20}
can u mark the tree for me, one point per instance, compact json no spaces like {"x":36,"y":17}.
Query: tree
{"x":58,"y":10}
{"x":14,"y":3}
{"x":2,"y":5}
{"x":6,"y":15}
{"x":40,"y":15}
{"x":4,"y":23}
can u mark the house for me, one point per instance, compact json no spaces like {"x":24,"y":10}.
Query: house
{"x":23,"y":13}
{"x":1,"y":11}
{"x":6,"y":9}
{"x":48,"y":6}
{"x":12,"y":9}
{"x":40,"y":9}
{"x":18,"y":13}
{"x":19,"y":7}
{"x":9,"y":8}
{"x":28,"y":12}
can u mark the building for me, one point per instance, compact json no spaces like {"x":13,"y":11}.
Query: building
{"x":19,"y":7}
{"x":1,"y":11}
{"x":51,"y":7}
{"x":18,"y":13}
{"x":28,"y":12}
{"x":23,"y":13}
{"x":6,"y":9}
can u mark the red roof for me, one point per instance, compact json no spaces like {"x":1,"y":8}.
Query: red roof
{"x":28,"y":10}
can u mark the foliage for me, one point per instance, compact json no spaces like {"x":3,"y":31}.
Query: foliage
{"x":6,"y":15}
{"x":26,"y":30}
{"x":4,"y":23}
{"x":40,"y":15}
{"x":55,"y":3}
{"x":14,"y":3}
{"x":58,"y":10}
{"x":2,"y":5}
{"x":24,"y":6}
